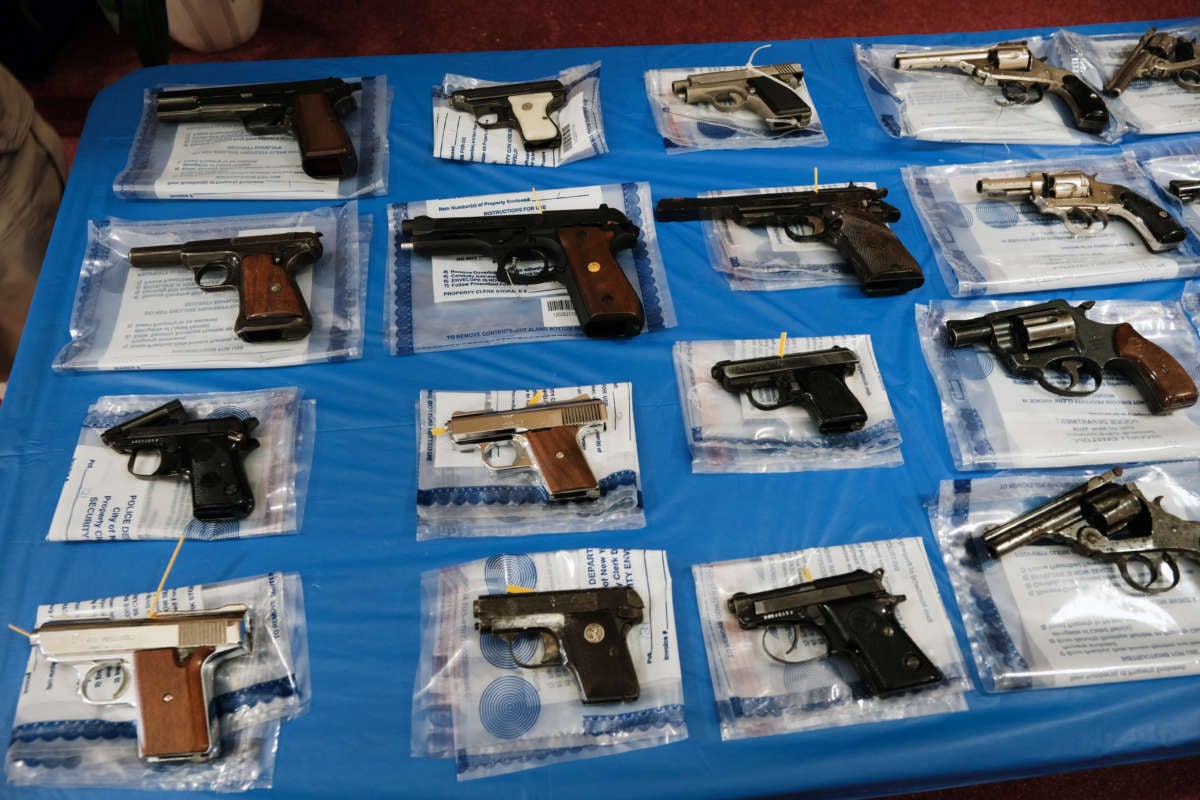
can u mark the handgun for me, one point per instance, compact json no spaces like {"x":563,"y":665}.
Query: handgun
{"x":1107,"y":521}
{"x":1186,"y":190}
{"x":771,"y":92}
{"x":262,"y":269}
{"x":583,"y":630}
{"x":1080,"y":201}
{"x":1055,"y":340}
{"x":543,"y":438}
{"x":815,"y":380}
{"x":167,"y":665}
{"x":166,"y":442}
{"x":1158,"y":56}
{"x":1023,"y":78}
{"x":311,"y":109}
{"x":852,"y":219}
{"x":576,"y":247}
{"x":524,"y":106}
{"x":856,"y":615}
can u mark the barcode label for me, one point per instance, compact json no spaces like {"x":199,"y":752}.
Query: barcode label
{"x":568,"y":138}
{"x":557,"y":312}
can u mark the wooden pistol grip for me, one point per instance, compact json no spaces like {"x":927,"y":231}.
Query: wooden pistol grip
{"x":172,"y":705}
{"x":325,"y":148}
{"x":604,"y":300}
{"x":564,"y":468}
{"x":272,"y":308}
{"x":1162,"y":380}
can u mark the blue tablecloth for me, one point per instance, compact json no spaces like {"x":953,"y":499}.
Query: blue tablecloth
{"x":357,"y":553}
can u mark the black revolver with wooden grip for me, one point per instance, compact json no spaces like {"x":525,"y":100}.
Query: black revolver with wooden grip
{"x":815,"y":379}
{"x":1158,"y":56}
{"x":1107,"y":521}
{"x":1081,"y":201}
{"x":262,"y":269}
{"x":1066,"y":353}
{"x":768,"y":91}
{"x":544,"y":438}
{"x":208,"y":452}
{"x":524,"y":106}
{"x":852,"y":219}
{"x":1023,"y":78}
{"x":583,"y":630}
{"x":856,"y":614}
{"x":312,"y":109}
{"x":576,"y":248}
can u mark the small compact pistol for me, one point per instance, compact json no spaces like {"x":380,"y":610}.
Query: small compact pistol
{"x":543,"y":438}
{"x":1186,"y":190}
{"x":771,"y":92}
{"x":582,"y":630}
{"x":1158,"y":56}
{"x":524,"y":106}
{"x":856,"y":615}
{"x":167,"y":663}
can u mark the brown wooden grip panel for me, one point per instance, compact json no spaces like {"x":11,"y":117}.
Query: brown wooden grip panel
{"x":325,"y":148}
{"x":564,"y":468}
{"x":604,"y":300}
{"x":171,"y":701}
{"x":879,"y":259}
{"x":272,"y":308}
{"x":1162,"y":380}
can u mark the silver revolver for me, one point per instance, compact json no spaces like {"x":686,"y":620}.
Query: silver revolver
{"x":1023,"y":78}
{"x":769,"y":91}
{"x":1158,"y":56}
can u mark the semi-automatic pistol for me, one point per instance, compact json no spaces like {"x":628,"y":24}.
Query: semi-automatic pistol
{"x":771,"y":92}
{"x":543,"y":438}
{"x":1023,"y":78}
{"x":262,"y":269}
{"x":583,"y":630}
{"x":856,"y":615}
{"x":524,"y":106}
{"x":1186,"y":190}
{"x":167,"y":664}
{"x":1158,"y":56}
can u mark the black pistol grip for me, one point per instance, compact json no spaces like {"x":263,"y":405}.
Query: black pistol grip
{"x":220,"y":490}
{"x":865,"y":630}
{"x":1085,"y":103}
{"x":595,"y":649}
{"x":1165,"y":229}
{"x":783,"y":101}
{"x":879,"y":259}
{"x":833,"y":406}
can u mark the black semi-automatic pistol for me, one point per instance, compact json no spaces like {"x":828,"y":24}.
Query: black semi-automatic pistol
{"x":208,"y":452}
{"x":1186,"y":190}
{"x":1158,"y":56}
{"x":1107,"y":521}
{"x":312,"y":109}
{"x":524,"y":106}
{"x":771,"y":92}
{"x":856,"y":615}
{"x":583,"y":630}
{"x":815,"y":380}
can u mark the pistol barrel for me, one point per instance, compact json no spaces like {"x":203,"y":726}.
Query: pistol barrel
{"x":1010,"y":187}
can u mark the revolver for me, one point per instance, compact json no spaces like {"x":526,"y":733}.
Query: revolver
{"x":1023,"y":78}
{"x":524,"y":106}
{"x":543,"y":438}
{"x":576,"y":248}
{"x":1056,"y":339}
{"x":1186,"y":190}
{"x":851,"y":219}
{"x":771,"y":92}
{"x":262,"y":269}
{"x":815,"y":380}
{"x":583,"y":630}
{"x":311,"y":109}
{"x":1107,"y":521}
{"x":1158,"y":56}
{"x":856,"y":615}
{"x":167,"y":664}
{"x":208,"y":452}
{"x":1080,"y":201}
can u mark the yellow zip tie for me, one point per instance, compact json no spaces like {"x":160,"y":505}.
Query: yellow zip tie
{"x":807,"y":575}
{"x":537,"y":201}
{"x":782,"y":342}
{"x":816,"y":183}
{"x":157,"y":592}
{"x":511,"y":589}
{"x":21,"y":631}
{"x":438,"y":431}
{"x":537,"y":398}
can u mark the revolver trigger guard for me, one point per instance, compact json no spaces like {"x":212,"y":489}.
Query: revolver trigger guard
{"x":1073,"y":367}
{"x":522,"y":460}
{"x":1188,"y":79}
{"x":1153,"y":562}
{"x":1020,"y":94}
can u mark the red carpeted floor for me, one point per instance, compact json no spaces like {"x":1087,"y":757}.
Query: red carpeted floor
{"x":94,"y":56}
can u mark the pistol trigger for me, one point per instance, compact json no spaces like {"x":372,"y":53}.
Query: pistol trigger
{"x":551,"y":654}
{"x":263,"y":121}
{"x":499,"y":456}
